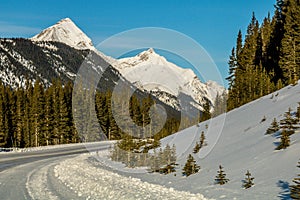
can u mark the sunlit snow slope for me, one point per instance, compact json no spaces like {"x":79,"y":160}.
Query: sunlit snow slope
{"x":67,"y":32}
{"x":153,"y":72}
{"x":147,"y":70}
{"x":243,"y":146}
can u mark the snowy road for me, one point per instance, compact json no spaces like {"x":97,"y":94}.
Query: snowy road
{"x":59,"y":173}
{"x":30,"y":175}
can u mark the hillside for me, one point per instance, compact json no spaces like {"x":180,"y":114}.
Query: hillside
{"x":242,"y":146}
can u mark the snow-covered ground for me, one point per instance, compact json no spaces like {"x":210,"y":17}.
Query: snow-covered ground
{"x":31,"y":149}
{"x":93,"y":182}
{"x":242,"y":146}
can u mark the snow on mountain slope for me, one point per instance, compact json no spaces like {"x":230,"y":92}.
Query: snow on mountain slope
{"x":242,"y":146}
{"x":67,"y":32}
{"x":152,"y":72}
{"x":148,"y":70}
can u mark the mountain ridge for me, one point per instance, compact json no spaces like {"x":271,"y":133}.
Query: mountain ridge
{"x":182,"y":81}
{"x":152,"y":72}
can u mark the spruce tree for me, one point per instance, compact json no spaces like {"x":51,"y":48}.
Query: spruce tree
{"x":232,"y":67}
{"x":221,"y":177}
{"x":49,"y":117}
{"x":289,"y":122}
{"x":248,"y":182}
{"x":19,"y":116}
{"x":295,"y":189}
{"x":202,"y":140}
{"x":28,"y":135}
{"x":290,"y":48}
{"x":168,"y":160}
{"x":206,"y":115}
{"x":2,"y":117}
{"x":196,"y":148}
{"x":190,"y":166}
{"x":274,"y":127}
{"x":285,"y":140}
{"x":298,"y":113}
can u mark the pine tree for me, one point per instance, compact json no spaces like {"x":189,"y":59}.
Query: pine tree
{"x":49,"y":117}
{"x":202,"y":140}
{"x":290,"y":52}
{"x":196,"y":148}
{"x":298,"y":113}
{"x":221,"y":177}
{"x":220,"y":104}
{"x":274,"y":127}
{"x":206,"y":115}
{"x":38,"y":111}
{"x":168,"y":160}
{"x":232,"y":67}
{"x":190,"y":166}
{"x":19,"y":116}
{"x":295,"y":189}
{"x":2,"y":117}
{"x":28,"y":129}
{"x":248,"y":182}
{"x":289,"y":122}
{"x":65,"y":130}
{"x":285,"y":140}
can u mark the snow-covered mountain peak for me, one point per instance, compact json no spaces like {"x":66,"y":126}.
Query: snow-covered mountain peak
{"x":147,"y":57}
{"x":67,"y":32}
{"x":153,"y":72}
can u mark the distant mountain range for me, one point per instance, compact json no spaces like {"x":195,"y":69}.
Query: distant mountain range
{"x":59,"y":50}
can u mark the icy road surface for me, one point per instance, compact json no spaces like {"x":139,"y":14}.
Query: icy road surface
{"x":30,"y":175}
{"x":59,"y":173}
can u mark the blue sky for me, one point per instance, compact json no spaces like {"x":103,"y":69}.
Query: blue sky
{"x":212,"y":23}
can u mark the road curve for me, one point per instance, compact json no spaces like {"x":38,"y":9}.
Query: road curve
{"x":25,"y":173}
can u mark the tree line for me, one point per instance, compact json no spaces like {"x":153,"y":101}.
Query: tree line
{"x":268,"y":57}
{"x":36,"y":115}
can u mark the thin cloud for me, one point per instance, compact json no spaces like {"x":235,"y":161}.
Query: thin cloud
{"x":12,"y":30}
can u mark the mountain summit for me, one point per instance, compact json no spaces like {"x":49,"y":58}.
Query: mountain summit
{"x":148,"y":70}
{"x":153,"y":72}
{"x":67,"y":32}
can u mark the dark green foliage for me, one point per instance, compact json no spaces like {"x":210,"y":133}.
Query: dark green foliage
{"x":36,"y":116}
{"x":290,"y":49}
{"x":221,"y":177}
{"x":289,"y":122}
{"x":190,"y":166}
{"x":284,"y":140}
{"x":269,"y":57}
{"x":196,"y":148}
{"x":274,"y":127}
{"x":205,"y":115}
{"x":202,"y":140}
{"x":130,"y":152}
{"x":220,"y":105}
{"x":295,"y":189}
{"x":248,"y":182}
{"x":200,"y":144}
{"x":168,"y":169}
{"x":298,"y":113}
